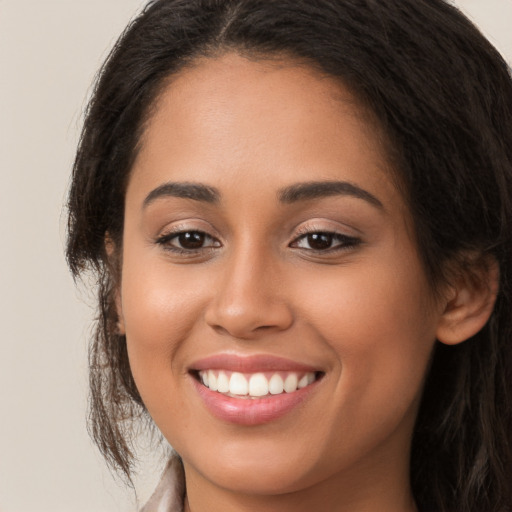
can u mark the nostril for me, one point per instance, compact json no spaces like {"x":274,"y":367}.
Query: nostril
{"x":220,"y":330}
{"x":264,"y":327}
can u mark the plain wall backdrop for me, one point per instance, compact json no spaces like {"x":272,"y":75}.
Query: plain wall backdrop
{"x":50,"y":51}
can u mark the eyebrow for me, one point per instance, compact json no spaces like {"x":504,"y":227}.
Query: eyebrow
{"x":318,"y":189}
{"x":294,"y":193}
{"x":194,"y":191}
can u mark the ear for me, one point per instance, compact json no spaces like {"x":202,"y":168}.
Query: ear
{"x":115,"y":270}
{"x":470,"y":301}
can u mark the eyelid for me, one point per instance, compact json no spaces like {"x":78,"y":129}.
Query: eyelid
{"x":346,"y":240}
{"x":170,"y":232}
{"x":184,"y":225}
{"x":171,"y":235}
{"x":326,"y":226}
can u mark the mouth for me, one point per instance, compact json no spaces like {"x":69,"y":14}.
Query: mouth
{"x":255,"y":385}
{"x":253,"y":390}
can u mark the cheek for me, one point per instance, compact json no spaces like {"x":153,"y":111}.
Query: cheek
{"x":371,"y":304}
{"x":155,"y":311}
{"x":380,"y":327}
{"x":160,"y":311}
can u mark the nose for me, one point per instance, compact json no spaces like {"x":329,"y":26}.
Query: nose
{"x":250,"y":299}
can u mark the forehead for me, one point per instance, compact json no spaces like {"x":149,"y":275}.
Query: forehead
{"x":231,"y":118}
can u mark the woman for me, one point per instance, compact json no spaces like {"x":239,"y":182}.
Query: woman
{"x":300,"y":216}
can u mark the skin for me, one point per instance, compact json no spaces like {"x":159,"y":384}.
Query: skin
{"x":364,"y":313}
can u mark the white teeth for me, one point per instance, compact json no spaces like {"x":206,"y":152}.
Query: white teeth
{"x":276,"y":384}
{"x":258,"y":385}
{"x":290,"y":383}
{"x":212,"y":380}
{"x":303,"y":382}
{"x":238,"y":384}
{"x":222,"y":383}
{"x":255,"y":385}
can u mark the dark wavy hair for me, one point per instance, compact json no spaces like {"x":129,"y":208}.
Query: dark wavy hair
{"x":442,"y":95}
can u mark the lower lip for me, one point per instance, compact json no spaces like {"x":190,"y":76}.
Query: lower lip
{"x":247,"y":411}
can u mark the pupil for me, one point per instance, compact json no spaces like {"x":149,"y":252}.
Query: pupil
{"x":320,"y":240}
{"x":191,"y":240}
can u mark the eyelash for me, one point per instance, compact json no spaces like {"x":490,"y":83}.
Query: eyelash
{"x":165,"y":241}
{"x":342,"y":242}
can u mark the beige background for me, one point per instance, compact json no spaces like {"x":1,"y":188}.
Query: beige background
{"x":49,"y":52}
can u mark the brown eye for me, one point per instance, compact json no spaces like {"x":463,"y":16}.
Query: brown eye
{"x":320,"y":241}
{"x":187,"y":241}
{"x":190,"y":240}
{"x":324,"y":241}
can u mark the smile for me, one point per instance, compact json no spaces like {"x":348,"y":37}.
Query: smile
{"x":253,"y":390}
{"x":255,"y":385}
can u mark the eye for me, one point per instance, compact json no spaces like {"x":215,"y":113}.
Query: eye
{"x":188,"y":241}
{"x":324,"y":241}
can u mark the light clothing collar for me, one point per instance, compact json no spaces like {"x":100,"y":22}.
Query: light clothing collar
{"x":169,"y":495}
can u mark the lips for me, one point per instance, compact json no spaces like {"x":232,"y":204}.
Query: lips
{"x":252,"y":390}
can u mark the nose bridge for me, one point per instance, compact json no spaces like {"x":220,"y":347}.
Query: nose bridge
{"x":249,"y":298}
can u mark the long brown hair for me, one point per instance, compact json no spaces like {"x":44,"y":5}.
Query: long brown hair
{"x":443,"y":96}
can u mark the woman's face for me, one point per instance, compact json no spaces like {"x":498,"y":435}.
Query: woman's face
{"x":267,"y":251}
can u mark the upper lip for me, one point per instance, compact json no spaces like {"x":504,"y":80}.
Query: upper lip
{"x":250,"y":364}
